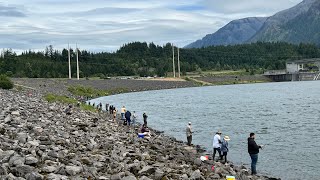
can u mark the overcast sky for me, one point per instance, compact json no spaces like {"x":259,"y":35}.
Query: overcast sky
{"x":105,"y":25}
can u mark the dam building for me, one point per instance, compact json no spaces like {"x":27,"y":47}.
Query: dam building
{"x":297,"y":70}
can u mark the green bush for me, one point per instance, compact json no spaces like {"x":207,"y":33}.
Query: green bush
{"x":5,"y":82}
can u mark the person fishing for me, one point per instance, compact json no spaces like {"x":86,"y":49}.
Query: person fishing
{"x":189,"y":133}
{"x":122,"y":111}
{"x":128,"y":116}
{"x":253,"y":150}
{"x":134,"y":118}
{"x":217,"y":145}
{"x":68,"y":111}
{"x":145,"y":119}
{"x":225,"y":148}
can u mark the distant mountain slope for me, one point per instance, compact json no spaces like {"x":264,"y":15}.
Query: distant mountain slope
{"x":235,"y":32}
{"x":297,"y":24}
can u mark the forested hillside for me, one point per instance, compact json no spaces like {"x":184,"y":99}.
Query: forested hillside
{"x":143,"y":59}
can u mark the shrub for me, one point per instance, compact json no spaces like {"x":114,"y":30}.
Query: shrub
{"x":5,"y":82}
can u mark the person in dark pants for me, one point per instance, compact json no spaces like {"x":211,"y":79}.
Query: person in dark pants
{"x":253,"y":150}
{"x":127,"y":115}
{"x":68,"y":111}
{"x":225,"y":148}
{"x":189,"y":133}
{"x":217,"y":145}
{"x":145,"y":119}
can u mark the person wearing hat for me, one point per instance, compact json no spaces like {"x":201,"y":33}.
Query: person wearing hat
{"x":217,"y":144}
{"x":225,"y":148}
{"x":253,"y":150}
{"x":189,"y":133}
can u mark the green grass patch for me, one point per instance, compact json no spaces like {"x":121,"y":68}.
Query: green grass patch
{"x":51,"y":98}
{"x":91,"y":92}
{"x":87,"y":91}
{"x":5,"y":82}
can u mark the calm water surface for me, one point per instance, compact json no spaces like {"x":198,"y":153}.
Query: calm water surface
{"x":285,"y":117}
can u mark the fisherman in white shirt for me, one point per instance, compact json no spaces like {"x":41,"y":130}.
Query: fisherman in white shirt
{"x":217,"y":144}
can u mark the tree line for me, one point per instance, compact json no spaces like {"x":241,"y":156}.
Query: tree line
{"x":148,"y":59}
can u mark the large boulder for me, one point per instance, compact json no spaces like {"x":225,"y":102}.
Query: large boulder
{"x":34,"y":176}
{"x":22,"y":171}
{"x":30,"y":160}
{"x":73,"y":170}
{"x":196,"y":175}
{"x":147,"y":170}
{"x":16,"y":160}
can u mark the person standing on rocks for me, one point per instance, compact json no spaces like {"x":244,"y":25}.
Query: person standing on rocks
{"x":123,"y":110}
{"x":107,"y":107}
{"x":69,"y":110}
{"x":134,"y":118}
{"x":225,"y":148}
{"x":114,"y":111}
{"x":189,"y":133}
{"x":111,"y":109}
{"x":145,"y":119}
{"x":217,"y":144}
{"x":128,"y":116}
{"x":253,"y":150}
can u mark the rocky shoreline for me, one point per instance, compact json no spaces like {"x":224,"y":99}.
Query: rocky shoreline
{"x":60,"y":86}
{"x":39,"y":141}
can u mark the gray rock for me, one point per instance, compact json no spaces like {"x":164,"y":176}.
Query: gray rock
{"x":34,"y":143}
{"x":147,"y":170}
{"x":216,"y":176}
{"x":21,"y":171}
{"x":7,"y":119}
{"x":144,"y":178}
{"x":158,"y":174}
{"x":30,"y":160}
{"x":197,"y":162}
{"x":34,"y":176}
{"x":86,"y":161}
{"x":196,"y":175}
{"x":73,"y":170}
{"x":5,"y":156}
{"x":103,"y":178}
{"x":22,"y":137}
{"x":184,"y":177}
{"x":16,"y":160}
{"x":129,"y":178}
{"x":49,"y":169}
{"x":52,"y":176}
{"x":3,"y":170}
{"x":118,"y":176}
{"x":15,"y":113}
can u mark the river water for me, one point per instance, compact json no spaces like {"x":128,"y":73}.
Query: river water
{"x":284,"y":116}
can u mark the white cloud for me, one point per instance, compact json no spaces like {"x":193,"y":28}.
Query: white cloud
{"x":107,"y":24}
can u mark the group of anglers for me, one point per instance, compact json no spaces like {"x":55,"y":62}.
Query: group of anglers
{"x":221,"y":146}
{"x":127,"y":118}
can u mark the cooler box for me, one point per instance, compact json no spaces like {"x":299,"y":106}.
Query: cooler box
{"x":230,"y":178}
{"x":140,"y":135}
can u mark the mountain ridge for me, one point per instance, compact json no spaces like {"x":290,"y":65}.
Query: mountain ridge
{"x":283,"y":26}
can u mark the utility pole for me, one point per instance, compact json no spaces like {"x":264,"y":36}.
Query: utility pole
{"x":77,"y":62}
{"x":179,"y":63}
{"x":173,"y":64}
{"x":69,"y":60}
